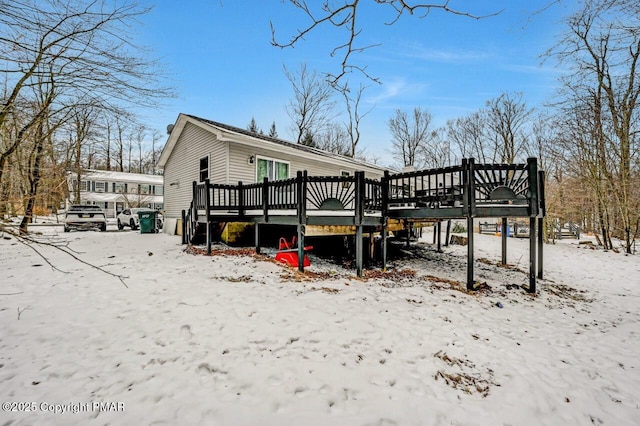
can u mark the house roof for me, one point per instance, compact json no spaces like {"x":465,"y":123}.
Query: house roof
{"x":112,"y":176}
{"x":220,"y":128}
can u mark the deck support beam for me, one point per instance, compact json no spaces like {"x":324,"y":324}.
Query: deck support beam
{"x":301,"y":247}
{"x":447,"y":236}
{"x":207,"y":200}
{"x":257,"y":237}
{"x":470,"y":253}
{"x":439,"y":230}
{"x":540,"y":245}
{"x":359,"y":250}
{"x":532,"y":255}
{"x":384,"y":244}
{"x":503,"y":235}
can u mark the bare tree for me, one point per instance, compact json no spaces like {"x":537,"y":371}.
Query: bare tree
{"x":346,"y":15}
{"x":312,"y":107}
{"x":506,"y":117}
{"x":354,"y":117}
{"x":411,"y":135}
{"x":602,"y":47}
{"x":468,"y":134}
{"x":83,"y":49}
{"x":334,"y":139}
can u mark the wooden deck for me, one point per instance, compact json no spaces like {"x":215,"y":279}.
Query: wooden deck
{"x":465,"y":191}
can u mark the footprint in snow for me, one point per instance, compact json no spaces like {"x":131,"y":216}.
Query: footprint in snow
{"x":185,"y":332}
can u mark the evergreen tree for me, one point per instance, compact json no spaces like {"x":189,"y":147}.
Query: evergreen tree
{"x":253,"y":126}
{"x":307,"y":139}
{"x":272,"y":131}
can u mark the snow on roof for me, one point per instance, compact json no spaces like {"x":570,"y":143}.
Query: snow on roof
{"x":120,"y":176}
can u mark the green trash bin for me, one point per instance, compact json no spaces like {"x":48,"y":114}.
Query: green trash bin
{"x":148,"y":222}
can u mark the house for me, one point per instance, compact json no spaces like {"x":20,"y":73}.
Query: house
{"x":200,"y":149}
{"x":116,"y":191}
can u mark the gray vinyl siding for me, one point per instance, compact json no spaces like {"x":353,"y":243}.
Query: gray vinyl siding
{"x":241,"y":170}
{"x":183,"y":167}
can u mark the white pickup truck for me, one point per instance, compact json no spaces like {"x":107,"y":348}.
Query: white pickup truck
{"x":85,"y":217}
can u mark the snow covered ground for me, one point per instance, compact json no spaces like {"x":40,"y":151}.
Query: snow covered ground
{"x":238,"y":340}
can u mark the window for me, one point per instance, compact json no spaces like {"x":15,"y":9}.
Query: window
{"x":145,"y":189}
{"x":119,"y":187}
{"x":272,"y":169}
{"x":100,"y":186}
{"x":83,"y":185}
{"x":345,"y":173}
{"x":204,"y":169}
{"x":159,"y":190}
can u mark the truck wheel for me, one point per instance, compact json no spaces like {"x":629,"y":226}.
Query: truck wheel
{"x":132,"y":224}
{"x":120,"y":225}
{"x":66,"y":229}
{"x":103,"y":227}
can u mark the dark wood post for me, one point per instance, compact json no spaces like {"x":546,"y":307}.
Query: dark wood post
{"x":194,"y":200}
{"x":301,"y":186}
{"x":257,"y":237}
{"x":358,"y":218}
{"x":207,"y":199}
{"x":448,"y":233}
{"x":532,"y":255}
{"x":265,"y":198}
{"x":503,"y":235}
{"x":435,"y":232}
{"x":532,"y":167}
{"x":471,"y":195}
{"x":541,"y":215}
{"x":439,"y":228}
{"x":184,"y":227}
{"x":240,"y":200}
{"x":385,"y":219}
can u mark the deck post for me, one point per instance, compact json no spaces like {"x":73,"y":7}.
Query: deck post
{"x":407,"y":226}
{"x":540,"y":245}
{"x":469,"y":178}
{"x":503,"y":235}
{"x":469,"y":253}
{"x":385,"y":219}
{"x":194,"y":199}
{"x":384,"y":243}
{"x":301,"y":186}
{"x":439,"y":228}
{"x":257,"y":237}
{"x":265,"y":199}
{"x":207,"y":200}
{"x":184,"y":229}
{"x":532,"y":255}
{"x":448,"y":233}
{"x":358,"y":218}
{"x":435,"y":232}
{"x":240,"y":200}
{"x":541,"y":215}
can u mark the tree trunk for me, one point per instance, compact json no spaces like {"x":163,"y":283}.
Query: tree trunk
{"x":34,"y":179}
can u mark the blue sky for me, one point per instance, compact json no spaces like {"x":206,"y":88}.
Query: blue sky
{"x":220,"y":60}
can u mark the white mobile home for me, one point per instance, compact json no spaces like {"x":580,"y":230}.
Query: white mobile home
{"x":199,"y":149}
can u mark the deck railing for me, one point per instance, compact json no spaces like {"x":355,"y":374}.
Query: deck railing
{"x":462,"y":189}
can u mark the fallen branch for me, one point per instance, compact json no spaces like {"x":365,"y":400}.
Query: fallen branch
{"x":29,"y":242}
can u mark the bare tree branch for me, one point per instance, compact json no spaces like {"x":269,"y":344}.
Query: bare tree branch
{"x":32,"y":242}
{"x":345,"y":15}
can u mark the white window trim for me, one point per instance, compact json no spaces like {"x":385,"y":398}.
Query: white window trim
{"x":262,"y":157}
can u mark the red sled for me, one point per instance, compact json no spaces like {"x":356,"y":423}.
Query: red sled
{"x":289,"y":253}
